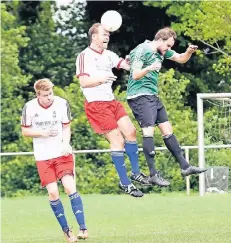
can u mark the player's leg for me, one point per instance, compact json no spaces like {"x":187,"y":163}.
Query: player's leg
{"x":65,"y":172}
{"x":56,"y":205}
{"x":116,"y":141}
{"x":101,"y":116}
{"x":155,"y":177}
{"x":173,"y":145}
{"x":76,"y":204}
{"x":144,"y":109}
{"x":131,"y":148}
{"x":144,"y":112}
{"x":47,"y":174}
{"x":58,"y":210}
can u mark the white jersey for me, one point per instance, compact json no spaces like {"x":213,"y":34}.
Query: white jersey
{"x":39,"y":118}
{"x":93,"y":63}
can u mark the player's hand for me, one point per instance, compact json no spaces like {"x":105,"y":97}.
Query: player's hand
{"x":50,"y":133}
{"x":66,"y":149}
{"x":108,"y":78}
{"x":127,"y":59}
{"x":191,"y":48}
{"x":155,"y":66}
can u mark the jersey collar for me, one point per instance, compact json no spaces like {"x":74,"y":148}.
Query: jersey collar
{"x":156,"y":52}
{"x":45,"y":107}
{"x":99,"y":52}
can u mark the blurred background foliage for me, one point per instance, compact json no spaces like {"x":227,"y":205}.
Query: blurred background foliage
{"x":41,"y":39}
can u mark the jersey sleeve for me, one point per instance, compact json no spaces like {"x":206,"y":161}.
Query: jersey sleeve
{"x":169,"y":54}
{"x":83,"y":65}
{"x":137,"y":58}
{"x":26,"y":118}
{"x":66,"y":119}
{"x":116,"y":60}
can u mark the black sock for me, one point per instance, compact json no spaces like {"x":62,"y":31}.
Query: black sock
{"x":174,"y":147}
{"x":149,"y":152}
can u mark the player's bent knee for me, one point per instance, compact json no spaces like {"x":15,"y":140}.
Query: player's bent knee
{"x":131,"y":134}
{"x":148,"y":131}
{"x":69,"y":183}
{"x":70,"y":190}
{"x":53,"y":194}
{"x":165,"y":128}
{"x":117,"y":144}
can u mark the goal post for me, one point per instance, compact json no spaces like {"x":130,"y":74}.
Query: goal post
{"x":200,"y":121}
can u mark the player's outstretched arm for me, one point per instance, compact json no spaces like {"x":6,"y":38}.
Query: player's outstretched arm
{"x":184,"y":57}
{"x":89,"y":82}
{"x":125,"y":65}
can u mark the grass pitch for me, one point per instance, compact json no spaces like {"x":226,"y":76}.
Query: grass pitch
{"x":170,"y":218}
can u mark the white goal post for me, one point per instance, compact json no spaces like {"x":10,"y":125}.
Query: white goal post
{"x":200,"y":121}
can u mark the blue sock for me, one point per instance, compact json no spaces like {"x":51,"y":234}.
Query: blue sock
{"x":118,"y":160}
{"x":131,"y":150}
{"x":77,"y":207}
{"x":58,"y":210}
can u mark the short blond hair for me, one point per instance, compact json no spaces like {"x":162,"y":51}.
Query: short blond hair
{"x":93,"y":30}
{"x":165,"y":34}
{"x":43,"y":84}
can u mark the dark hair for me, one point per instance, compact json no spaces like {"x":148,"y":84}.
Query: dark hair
{"x":165,"y":34}
{"x":93,"y":30}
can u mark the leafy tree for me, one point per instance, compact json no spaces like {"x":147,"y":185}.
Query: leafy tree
{"x":208,"y":23}
{"x":53,"y":45}
{"x":50,"y":51}
{"x":13,"y":38}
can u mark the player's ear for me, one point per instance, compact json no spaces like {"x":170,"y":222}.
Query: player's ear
{"x":93,"y":36}
{"x":160,"y":41}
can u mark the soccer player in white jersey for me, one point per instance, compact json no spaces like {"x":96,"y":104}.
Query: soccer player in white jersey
{"x":106,"y":115}
{"x":47,"y":120}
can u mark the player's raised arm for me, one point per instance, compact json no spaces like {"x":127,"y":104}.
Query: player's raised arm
{"x":125,"y":65}
{"x":184,"y":57}
{"x":118,"y":62}
{"x":87,"y":79}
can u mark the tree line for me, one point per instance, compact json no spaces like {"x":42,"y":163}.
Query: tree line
{"x":39,"y":39}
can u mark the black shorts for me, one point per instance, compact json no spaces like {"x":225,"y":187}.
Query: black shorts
{"x":148,"y":110}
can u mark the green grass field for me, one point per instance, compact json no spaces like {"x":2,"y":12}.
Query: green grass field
{"x":171,"y":218}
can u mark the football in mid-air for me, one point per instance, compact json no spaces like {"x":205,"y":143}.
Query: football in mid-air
{"x":111,"y":20}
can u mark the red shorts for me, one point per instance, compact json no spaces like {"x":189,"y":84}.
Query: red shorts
{"x":52,"y":170}
{"x":103,"y":115}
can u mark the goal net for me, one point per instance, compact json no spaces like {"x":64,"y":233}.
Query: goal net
{"x":218,"y":120}
{"x":214,"y":141}
{"x":217,"y":179}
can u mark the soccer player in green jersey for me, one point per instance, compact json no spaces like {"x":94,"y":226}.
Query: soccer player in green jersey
{"x":142,"y":95}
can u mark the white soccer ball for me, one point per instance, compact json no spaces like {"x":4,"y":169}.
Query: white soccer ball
{"x":111,"y":20}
